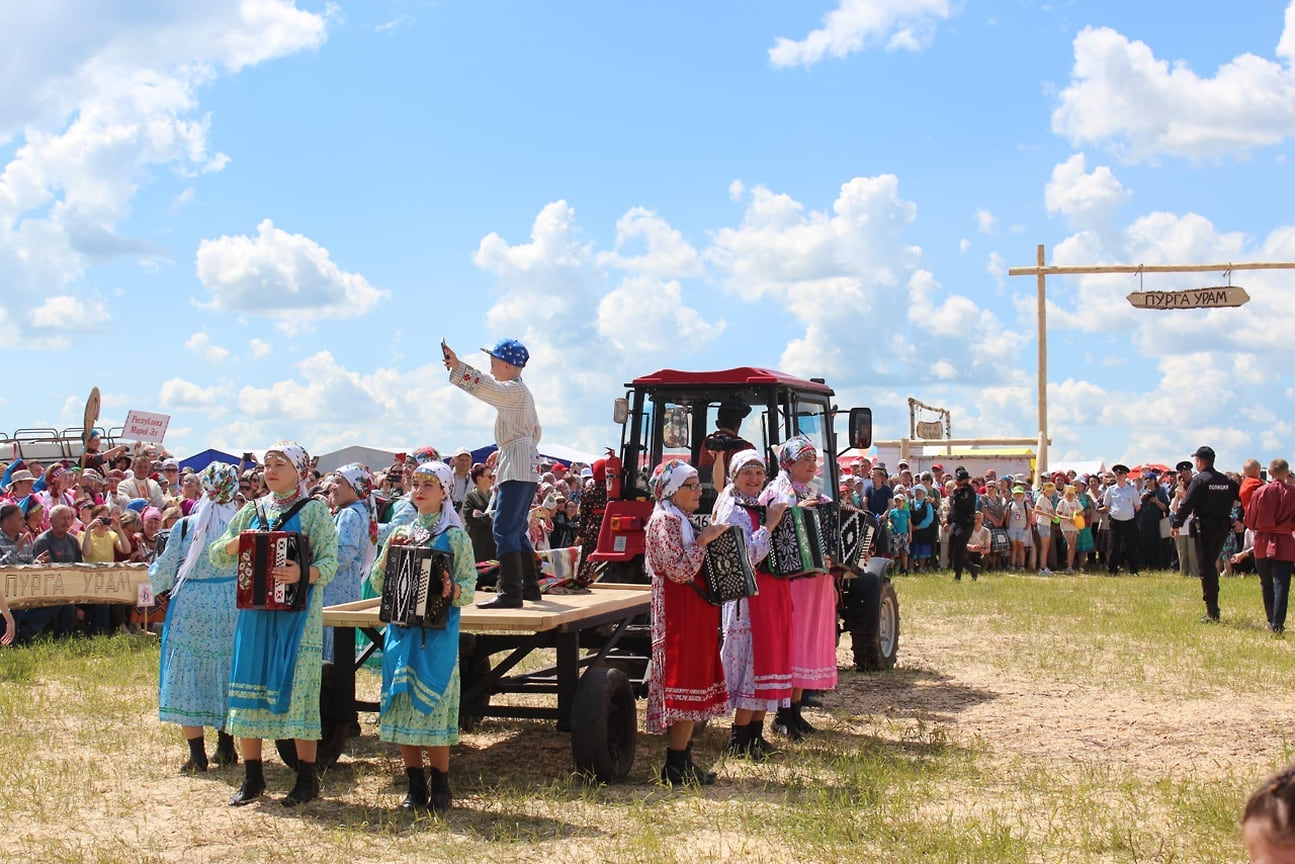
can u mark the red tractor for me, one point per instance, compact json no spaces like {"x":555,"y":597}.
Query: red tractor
{"x":692,"y":416}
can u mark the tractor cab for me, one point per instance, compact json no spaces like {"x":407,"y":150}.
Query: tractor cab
{"x":701,"y":418}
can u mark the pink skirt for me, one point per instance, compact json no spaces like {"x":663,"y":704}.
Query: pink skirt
{"x":813,"y":633}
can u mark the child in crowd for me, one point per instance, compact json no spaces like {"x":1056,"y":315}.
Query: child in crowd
{"x":1045,"y":512}
{"x":1019,"y":517}
{"x":900,"y":531}
{"x":1068,"y":508}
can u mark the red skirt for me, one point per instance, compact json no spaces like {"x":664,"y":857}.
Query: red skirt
{"x":770,"y":612}
{"x":687,"y":681}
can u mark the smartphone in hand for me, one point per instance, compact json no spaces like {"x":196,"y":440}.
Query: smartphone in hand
{"x":445,"y":349}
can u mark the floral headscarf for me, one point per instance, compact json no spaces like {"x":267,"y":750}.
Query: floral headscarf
{"x":209,"y":517}
{"x":219,"y":482}
{"x":668,"y":477}
{"x":444,"y":474}
{"x":360,"y":479}
{"x":299,"y":459}
{"x":427,"y":453}
{"x":794,"y":450}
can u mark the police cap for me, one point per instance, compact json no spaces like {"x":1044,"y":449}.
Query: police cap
{"x":1183,"y":466}
{"x":1120,"y":469}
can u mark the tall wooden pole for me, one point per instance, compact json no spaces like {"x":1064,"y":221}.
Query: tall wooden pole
{"x":1042,"y":459}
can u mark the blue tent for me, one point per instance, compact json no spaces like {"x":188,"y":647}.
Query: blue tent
{"x":198,"y":461}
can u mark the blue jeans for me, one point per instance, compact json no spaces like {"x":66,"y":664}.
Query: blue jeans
{"x":512,"y":513}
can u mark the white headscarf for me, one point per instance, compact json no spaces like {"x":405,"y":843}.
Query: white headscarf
{"x":445,"y":476}
{"x":210,"y":518}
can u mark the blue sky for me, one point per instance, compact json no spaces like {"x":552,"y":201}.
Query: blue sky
{"x":261,"y":217}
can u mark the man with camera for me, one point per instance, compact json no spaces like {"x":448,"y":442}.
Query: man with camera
{"x":1209,"y":498}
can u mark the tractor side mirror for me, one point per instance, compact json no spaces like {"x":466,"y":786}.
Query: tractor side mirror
{"x":861,"y":428}
{"x":620,"y":411}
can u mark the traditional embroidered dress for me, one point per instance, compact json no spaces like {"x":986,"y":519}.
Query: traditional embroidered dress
{"x":687,"y":675}
{"x":357,"y":543}
{"x":756,"y":652}
{"x":420,"y":666}
{"x":813,"y":601}
{"x":198,"y":637}
{"x":278,"y":656}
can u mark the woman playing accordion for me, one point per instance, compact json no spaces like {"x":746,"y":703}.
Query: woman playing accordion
{"x":757,"y":662}
{"x":686,"y":682}
{"x":813,"y":597}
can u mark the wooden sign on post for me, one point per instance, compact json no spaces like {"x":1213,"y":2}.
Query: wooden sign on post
{"x":28,"y":585}
{"x":1219,"y":297}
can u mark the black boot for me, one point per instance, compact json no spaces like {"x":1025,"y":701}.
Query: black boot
{"x":439,"y":797}
{"x":530,"y":577}
{"x":253,"y":784}
{"x":810,"y":699}
{"x":759,"y":748}
{"x":416,"y":799}
{"x":306,"y":788}
{"x":785,"y":722}
{"x":800,"y":720}
{"x":739,"y":741}
{"x":197,"y":756}
{"x":680,"y":770}
{"x":1211,"y":613}
{"x":226,"y":756}
{"x":509,"y":585}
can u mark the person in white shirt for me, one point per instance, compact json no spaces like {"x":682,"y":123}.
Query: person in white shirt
{"x":517,"y":435}
{"x":461,"y":462}
{"x":1122,"y":502}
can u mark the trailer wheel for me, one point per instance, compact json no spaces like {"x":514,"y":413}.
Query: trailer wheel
{"x":335,"y":724}
{"x":876,"y":639}
{"x":471,"y":669}
{"x":604,"y":724}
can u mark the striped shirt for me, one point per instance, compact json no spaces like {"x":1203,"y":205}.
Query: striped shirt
{"x":517,"y":427}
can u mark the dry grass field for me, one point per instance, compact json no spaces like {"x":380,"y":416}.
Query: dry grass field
{"x":1071,"y":719}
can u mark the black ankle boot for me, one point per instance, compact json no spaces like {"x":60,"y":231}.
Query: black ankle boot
{"x":530,"y":577}
{"x":197,"y":756}
{"x":416,"y":799}
{"x":225,"y":756}
{"x":509,"y":585}
{"x":739,"y":740}
{"x":439,"y":797}
{"x":785,"y":722}
{"x":759,"y":748}
{"x":675,"y":771}
{"x":253,"y":784}
{"x":801,"y":722}
{"x":306,"y":788}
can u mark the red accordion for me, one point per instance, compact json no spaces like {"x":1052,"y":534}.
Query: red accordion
{"x":259,"y":552}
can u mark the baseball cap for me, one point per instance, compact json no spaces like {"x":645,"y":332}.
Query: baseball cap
{"x":510,"y":351}
{"x":962,"y":473}
{"x":1204,"y":452}
{"x":462,"y":451}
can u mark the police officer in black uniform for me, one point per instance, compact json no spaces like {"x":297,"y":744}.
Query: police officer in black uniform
{"x":962,"y":520}
{"x":1209,"y":496}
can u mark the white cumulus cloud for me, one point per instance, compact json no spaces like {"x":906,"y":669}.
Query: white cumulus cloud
{"x":667,"y":254}
{"x":65,"y":312}
{"x":201,"y":346}
{"x":648,"y":316}
{"x":1142,"y":107}
{"x":286,"y":276}
{"x":855,"y":25}
{"x":1085,"y":198}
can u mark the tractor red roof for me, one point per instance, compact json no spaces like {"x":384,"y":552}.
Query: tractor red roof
{"x":739,"y":377}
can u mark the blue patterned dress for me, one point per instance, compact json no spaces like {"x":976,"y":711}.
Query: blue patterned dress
{"x":198,"y":637}
{"x":354,"y":557}
{"x":301,"y":719}
{"x":402,"y":721}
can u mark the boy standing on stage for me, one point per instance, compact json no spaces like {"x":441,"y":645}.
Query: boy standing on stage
{"x":517,"y":434}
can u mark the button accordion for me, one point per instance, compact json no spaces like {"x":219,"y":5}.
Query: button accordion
{"x":727,"y":573}
{"x":414,"y":580}
{"x":259,"y":552}
{"x":796,"y":544}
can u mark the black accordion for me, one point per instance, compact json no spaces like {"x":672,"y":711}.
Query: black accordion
{"x":796,"y":544}
{"x":846,"y":533}
{"x":412,"y":586}
{"x":727,"y":573}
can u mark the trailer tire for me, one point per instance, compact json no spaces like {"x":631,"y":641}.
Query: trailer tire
{"x":604,"y":724}
{"x":471,"y":669}
{"x":875,"y":638}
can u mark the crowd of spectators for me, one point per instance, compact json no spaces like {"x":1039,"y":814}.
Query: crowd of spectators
{"x":118,"y":505}
{"x":1061,"y":524}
